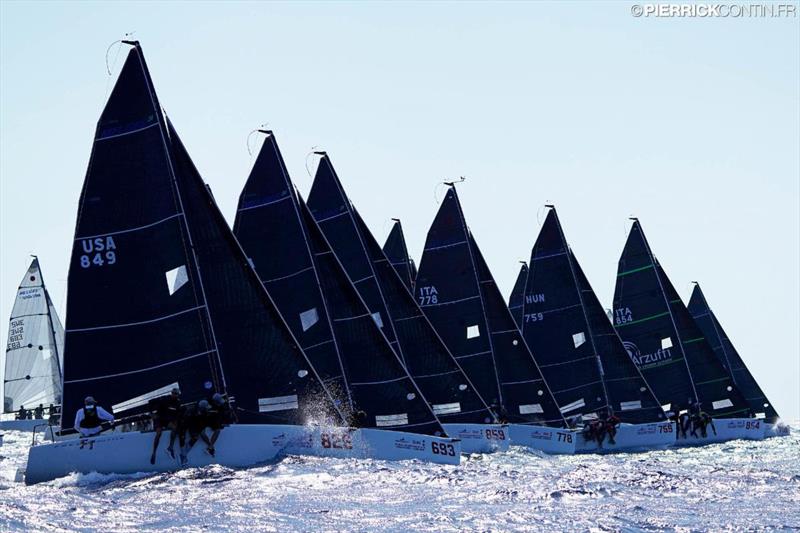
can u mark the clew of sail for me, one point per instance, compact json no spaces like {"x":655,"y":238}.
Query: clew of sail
{"x":725,"y":351}
{"x":458,"y":294}
{"x":33,"y":353}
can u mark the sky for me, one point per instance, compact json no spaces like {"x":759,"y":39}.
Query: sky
{"x":690,"y":124}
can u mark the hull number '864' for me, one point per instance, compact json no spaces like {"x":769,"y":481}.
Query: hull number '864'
{"x":340,"y":441}
{"x":495,"y":434}
{"x":443,"y":449}
{"x":99,"y":251}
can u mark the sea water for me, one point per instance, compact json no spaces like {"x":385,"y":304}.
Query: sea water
{"x":741,"y":485}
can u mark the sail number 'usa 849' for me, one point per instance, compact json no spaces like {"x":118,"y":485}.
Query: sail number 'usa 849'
{"x":99,"y":251}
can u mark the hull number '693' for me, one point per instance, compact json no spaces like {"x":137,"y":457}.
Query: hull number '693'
{"x":341,"y":441}
{"x":495,"y":434}
{"x":564,"y":437}
{"x":443,"y":449}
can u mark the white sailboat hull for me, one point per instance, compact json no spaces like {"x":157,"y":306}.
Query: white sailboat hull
{"x":632,"y":437}
{"x":238,"y":446}
{"x":543,"y":438}
{"x":480,"y":438}
{"x":726,"y":429}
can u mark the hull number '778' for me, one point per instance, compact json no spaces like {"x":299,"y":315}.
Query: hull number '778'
{"x":443,"y":449}
{"x":564,"y":437}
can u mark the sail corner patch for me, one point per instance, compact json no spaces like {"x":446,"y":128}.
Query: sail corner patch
{"x":446,"y":408}
{"x":722,"y":404}
{"x":629,"y":406}
{"x":531,"y":409}
{"x":277,"y":403}
{"x":176,"y":278}
{"x":391,"y":420}
{"x":579,"y":339}
{"x":309,"y":318}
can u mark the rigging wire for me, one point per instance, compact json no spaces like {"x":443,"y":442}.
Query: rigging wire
{"x":314,"y":150}
{"x":259,"y":128}
{"x":112,"y":66}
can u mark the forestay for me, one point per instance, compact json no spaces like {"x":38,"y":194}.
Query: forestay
{"x":576,"y":346}
{"x":34,"y":350}
{"x":159,"y":291}
{"x":662,"y":338}
{"x":443,"y":382}
{"x":458,"y":294}
{"x":726,"y":352}
{"x":397,"y":253}
{"x":292,"y":256}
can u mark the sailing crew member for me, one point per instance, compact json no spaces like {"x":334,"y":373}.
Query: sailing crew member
{"x":22,"y":414}
{"x":89,"y":420}
{"x":38,"y":413}
{"x":196,"y":421}
{"x":612,"y":423}
{"x":220,"y":414}
{"x":166,"y":415}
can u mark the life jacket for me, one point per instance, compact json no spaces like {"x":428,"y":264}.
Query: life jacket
{"x":90,"y":418}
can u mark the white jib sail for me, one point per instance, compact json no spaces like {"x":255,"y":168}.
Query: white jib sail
{"x":33,"y":353}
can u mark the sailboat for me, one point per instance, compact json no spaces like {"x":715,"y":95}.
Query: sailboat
{"x":724,"y":349}
{"x":457,"y":292}
{"x":160,"y":294}
{"x":397,"y":253}
{"x":674,"y":356}
{"x":515,"y":299}
{"x":453,"y":397}
{"x":333,"y":325}
{"x":581,"y":355}
{"x":32,"y":359}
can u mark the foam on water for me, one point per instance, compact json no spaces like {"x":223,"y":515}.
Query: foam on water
{"x":734,"y":486}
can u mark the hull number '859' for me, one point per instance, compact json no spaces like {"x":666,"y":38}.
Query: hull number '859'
{"x":495,"y":434}
{"x":443,"y":449}
{"x":341,"y":441}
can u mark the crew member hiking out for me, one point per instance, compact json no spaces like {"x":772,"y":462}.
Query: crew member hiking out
{"x":195,"y":421}
{"x":167,"y":412}
{"x":89,"y":420}
{"x":220,"y":414}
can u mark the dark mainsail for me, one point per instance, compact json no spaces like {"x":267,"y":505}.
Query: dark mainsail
{"x":396,"y":251}
{"x":457,"y":292}
{"x":662,"y":338}
{"x":515,"y":300}
{"x":705,"y":318}
{"x":310,"y":287}
{"x":576,"y":346}
{"x":450,"y":392}
{"x":159,"y":291}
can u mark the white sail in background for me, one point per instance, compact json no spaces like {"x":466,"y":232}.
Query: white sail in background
{"x":35,"y":342}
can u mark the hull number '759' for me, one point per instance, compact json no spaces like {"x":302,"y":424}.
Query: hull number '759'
{"x":443,"y":449}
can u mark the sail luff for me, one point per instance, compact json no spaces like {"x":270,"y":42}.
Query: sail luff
{"x":396,"y":251}
{"x":516,"y":300}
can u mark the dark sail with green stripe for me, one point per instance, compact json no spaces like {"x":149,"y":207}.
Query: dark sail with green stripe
{"x":663,"y":340}
{"x":707,"y":321}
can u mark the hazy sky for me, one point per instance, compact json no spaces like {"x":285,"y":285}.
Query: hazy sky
{"x":693,"y":125}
